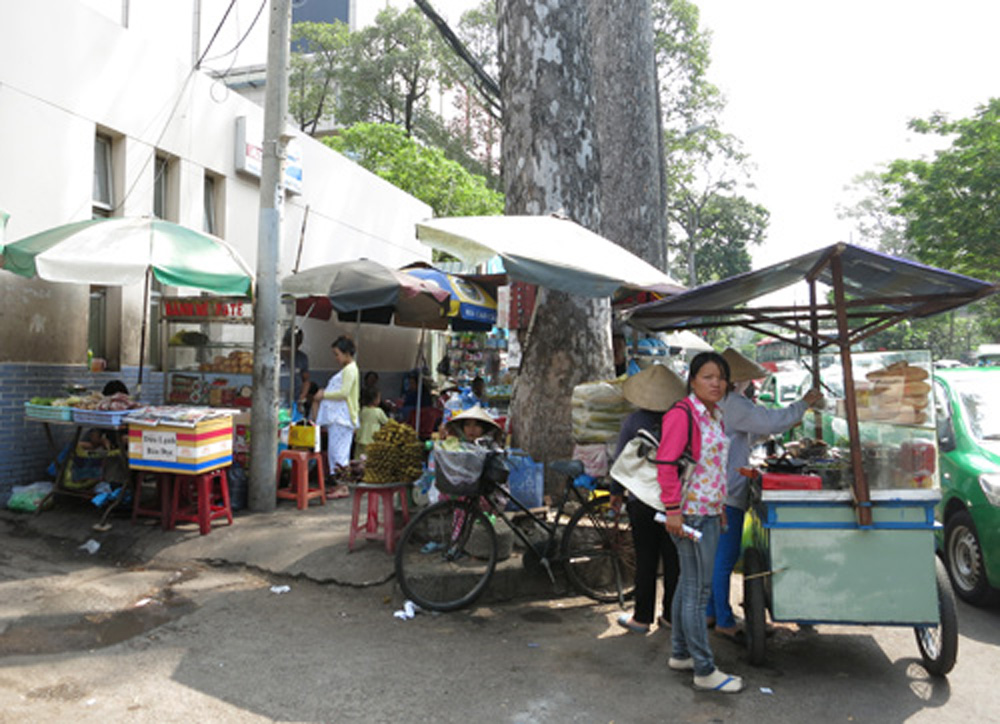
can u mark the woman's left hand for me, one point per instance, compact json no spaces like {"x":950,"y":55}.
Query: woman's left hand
{"x":724,"y":519}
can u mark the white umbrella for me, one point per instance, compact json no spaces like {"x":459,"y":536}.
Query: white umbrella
{"x":549,"y":251}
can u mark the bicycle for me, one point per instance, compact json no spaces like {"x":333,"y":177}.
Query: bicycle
{"x":448,"y":553}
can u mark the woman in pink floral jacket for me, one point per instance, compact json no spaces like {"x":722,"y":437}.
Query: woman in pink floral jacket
{"x":697,"y":505}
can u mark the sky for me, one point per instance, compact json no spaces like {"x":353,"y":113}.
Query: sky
{"x":822,"y":92}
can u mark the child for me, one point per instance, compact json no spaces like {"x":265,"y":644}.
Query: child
{"x":473,"y":424}
{"x":372,"y":417}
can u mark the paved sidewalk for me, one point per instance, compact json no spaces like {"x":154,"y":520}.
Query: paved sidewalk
{"x":310,"y":543}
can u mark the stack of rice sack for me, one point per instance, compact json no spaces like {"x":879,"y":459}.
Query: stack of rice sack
{"x":394,"y":455}
{"x":598,"y":411}
{"x":899,"y":393}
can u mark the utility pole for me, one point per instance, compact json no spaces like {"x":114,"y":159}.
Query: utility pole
{"x":264,"y":411}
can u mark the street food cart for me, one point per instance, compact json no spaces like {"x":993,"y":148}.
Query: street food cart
{"x":847,"y":535}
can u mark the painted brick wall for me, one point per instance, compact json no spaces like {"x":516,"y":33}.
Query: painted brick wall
{"x":25,"y":451}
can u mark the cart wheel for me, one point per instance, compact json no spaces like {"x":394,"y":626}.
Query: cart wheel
{"x":939,"y":644}
{"x":754,"y":605}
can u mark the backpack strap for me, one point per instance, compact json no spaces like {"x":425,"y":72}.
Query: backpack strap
{"x":687,"y":448}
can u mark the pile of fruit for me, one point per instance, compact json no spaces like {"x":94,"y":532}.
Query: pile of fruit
{"x":395,"y":455}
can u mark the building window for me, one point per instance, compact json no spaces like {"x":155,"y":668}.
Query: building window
{"x":97,"y":337}
{"x":210,"y":222}
{"x":103,"y":193}
{"x":160,"y":187}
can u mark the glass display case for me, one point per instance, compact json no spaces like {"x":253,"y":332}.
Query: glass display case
{"x":896,"y":422}
{"x":208,"y":354}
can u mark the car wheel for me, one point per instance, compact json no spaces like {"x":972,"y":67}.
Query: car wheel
{"x":964,"y":557}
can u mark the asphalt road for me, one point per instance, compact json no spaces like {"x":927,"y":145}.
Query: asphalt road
{"x":83,"y":639}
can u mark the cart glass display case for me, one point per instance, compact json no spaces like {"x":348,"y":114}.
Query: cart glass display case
{"x":896,"y":422}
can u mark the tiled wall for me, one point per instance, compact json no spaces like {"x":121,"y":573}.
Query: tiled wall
{"x":25,"y":451}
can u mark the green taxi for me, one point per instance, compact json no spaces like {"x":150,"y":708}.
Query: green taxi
{"x":967,"y":402}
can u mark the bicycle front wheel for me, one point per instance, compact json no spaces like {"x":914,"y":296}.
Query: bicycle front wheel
{"x":446,"y":555}
{"x":598,"y":552}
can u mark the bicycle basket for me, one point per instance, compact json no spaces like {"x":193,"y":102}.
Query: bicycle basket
{"x":459,"y":470}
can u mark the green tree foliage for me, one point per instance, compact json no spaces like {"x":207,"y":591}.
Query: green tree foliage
{"x":389,"y":70}
{"x":950,"y":203}
{"x":316,"y":68}
{"x":871,"y":212}
{"x":941,"y":211}
{"x":421,"y":171}
{"x":712,"y":225}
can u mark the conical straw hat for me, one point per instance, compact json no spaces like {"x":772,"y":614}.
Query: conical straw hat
{"x":476,"y":412}
{"x":655,"y":388}
{"x":741,"y":368}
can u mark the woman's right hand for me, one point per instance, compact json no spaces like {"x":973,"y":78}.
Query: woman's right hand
{"x":674,"y":523}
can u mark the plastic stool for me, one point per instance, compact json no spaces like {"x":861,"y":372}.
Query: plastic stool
{"x":164,"y":494}
{"x":298,"y":488}
{"x":376,"y":493}
{"x":201,"y":499}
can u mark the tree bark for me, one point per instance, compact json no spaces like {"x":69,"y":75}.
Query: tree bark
{"x":633,"y":202}
{"x":550,"y":164}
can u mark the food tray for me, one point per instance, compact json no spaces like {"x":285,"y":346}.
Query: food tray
{"x":48,"y":412}
{"x":104,"y":418}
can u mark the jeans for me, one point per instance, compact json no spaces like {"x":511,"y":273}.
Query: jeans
{"x":689,"y":635}
{"x":652,"y":544}
{"x":725,"y":560}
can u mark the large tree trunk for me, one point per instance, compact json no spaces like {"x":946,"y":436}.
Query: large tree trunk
{"x":550,"y":163}
{"x":633,"y":212}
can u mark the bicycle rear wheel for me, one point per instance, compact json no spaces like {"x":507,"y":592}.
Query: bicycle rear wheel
{"x":446,"y":555}
{"x":598,"y":552}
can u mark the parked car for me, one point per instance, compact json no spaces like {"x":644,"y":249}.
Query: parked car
{"x":968,"y":421}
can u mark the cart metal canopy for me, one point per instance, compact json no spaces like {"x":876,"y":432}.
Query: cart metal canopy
{"x":871,"y":292}
{"x":880,"y":290}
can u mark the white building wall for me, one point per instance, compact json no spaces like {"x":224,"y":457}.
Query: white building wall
{"x":67,"y":70}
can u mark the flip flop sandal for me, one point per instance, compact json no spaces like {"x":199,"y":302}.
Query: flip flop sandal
{"x":626,"y":622}
{"x":726,"y":684}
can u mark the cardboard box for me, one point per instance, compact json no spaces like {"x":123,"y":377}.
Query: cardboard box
{"x":168,"y":448}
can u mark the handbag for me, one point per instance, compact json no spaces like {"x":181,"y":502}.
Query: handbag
{"x":637,"y":466}
{"x":304,"y":434}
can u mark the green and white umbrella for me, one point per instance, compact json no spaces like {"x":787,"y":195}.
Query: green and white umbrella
{"x":124,"y":251}
{"x":3,"y":225}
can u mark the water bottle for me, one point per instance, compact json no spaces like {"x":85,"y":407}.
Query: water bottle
{"x":686,"y":530}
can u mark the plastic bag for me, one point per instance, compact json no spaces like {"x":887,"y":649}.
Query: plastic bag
{"x":28,"y":498}
{"x":459,"y":468}
{"x":598,"y":409}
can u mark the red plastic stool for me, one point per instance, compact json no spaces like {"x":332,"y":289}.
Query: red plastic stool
{"x":298,"y":488}
{"x":376,"y":493}
{"x":201,"y":499}
{"x":164,"y":494}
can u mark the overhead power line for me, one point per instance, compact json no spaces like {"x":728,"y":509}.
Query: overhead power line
{"x":488,"y":88}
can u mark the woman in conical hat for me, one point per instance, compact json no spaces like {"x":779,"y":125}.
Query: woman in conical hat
{"x":653,"y":390}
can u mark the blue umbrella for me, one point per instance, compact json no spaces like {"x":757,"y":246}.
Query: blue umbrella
{"x":471,"y":308}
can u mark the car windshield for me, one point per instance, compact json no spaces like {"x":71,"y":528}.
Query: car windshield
{"x":980,"y":408}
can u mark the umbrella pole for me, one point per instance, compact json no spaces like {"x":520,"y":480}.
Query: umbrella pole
{"x":420,"y":379}
{"x":142,"y":332}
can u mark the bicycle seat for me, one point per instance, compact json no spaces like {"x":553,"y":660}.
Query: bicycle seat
{"x":569,"y":468}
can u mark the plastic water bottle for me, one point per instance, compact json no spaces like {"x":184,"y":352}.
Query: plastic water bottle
{"x":686,"y":530}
